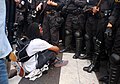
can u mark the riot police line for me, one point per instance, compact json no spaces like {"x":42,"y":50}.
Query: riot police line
{"x":85,"y":21}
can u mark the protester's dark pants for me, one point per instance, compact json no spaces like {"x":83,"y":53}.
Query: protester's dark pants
{"x":45,"y":57}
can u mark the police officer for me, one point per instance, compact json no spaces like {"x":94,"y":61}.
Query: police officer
{"x":26,"y":13}
{"x":113,"y":24}
{"x":91,"y":24}
{"x":74,"y":26}
{"x":99,"y":40}
{"x":52,"y":21}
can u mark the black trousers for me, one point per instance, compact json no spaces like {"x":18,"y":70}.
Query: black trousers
{"x":50,"y":29}
{"x":100,"y":32}
{"x":116,"y":42}
{"x":74,"y":23}
{"x":91,"y":27}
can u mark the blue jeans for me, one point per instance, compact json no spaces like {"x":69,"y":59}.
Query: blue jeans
{"x":3,"y":72}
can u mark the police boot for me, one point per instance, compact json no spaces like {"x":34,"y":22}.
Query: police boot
{"x":68,"y":40}
{"x":114,"y":74}
{"x":94,"y":66}
{"x":91,"y":68}
{"x":78,"y":48}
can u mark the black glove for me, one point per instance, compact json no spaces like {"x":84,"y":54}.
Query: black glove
{"x":108,"y":32}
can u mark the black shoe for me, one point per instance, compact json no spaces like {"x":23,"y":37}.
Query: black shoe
{"x":89,"y":69}
{"x":75,"y":57}
{"x":85,"y":57}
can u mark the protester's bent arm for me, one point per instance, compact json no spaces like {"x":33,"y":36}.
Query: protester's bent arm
{"x":54,"y":48}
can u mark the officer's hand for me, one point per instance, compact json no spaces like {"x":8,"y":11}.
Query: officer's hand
{"x":109,"y":25}
{"x":95,"y":9}
{"x":39,"y":7}
{"x":108,"y":32}
{"x":49,"y":2}
{"x":17,"y":1}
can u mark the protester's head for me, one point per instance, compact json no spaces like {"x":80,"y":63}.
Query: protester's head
{"x":33,"y":31}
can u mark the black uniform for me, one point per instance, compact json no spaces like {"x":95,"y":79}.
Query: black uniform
{"x":52,"y":22}
{"x":91,"y":24}
{"x":115,"y":56}
{"x":74,"y":26}
{"x":99,"y":40}
{"x":26,"y":14}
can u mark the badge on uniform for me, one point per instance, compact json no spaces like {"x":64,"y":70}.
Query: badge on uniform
{"x":117,"y":1}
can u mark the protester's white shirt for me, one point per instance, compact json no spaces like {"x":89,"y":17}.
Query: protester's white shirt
{"x":35,"y":46}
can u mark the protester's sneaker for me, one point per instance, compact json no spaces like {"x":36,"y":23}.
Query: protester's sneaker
{"x":13,"y":56}
{"x":34,"y":73}
{"x":61,"y":63}
{"x":20,"y":70}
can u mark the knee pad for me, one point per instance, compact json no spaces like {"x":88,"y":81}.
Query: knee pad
{"x":87,"y":37}
{"x":67,"y":32}
{"x":77,"y":34}
{"x":115,"y":59}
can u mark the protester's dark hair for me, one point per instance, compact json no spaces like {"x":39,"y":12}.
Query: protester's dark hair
{"x":33,"y":31}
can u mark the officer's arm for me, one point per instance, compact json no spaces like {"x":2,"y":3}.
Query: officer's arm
{"x":57,"y":4}
{"x":52,"y":3}
{"x":115,"y":14}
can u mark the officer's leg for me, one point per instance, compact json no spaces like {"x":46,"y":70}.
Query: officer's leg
{"x":54,"y":36}
{"x":46,"y":29}
{"x":68,"y":39}
{"x":68,"y":33}
{"x":79,"y":40}
{"x":114,"y":69}
{"x":115,"y":59}
{"x":88,"y":47}
{"x":94,"y":66}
